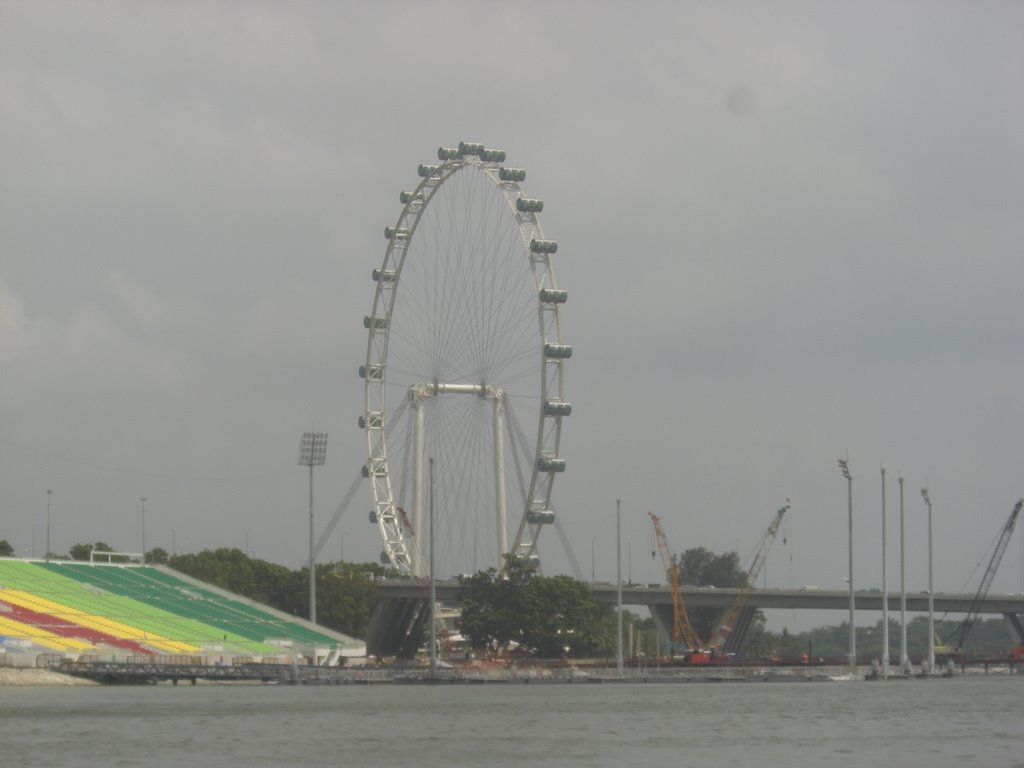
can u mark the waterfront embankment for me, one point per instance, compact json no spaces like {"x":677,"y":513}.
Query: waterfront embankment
{"x":16,"y":677}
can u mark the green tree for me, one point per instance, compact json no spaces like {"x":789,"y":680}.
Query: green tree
{"x":346,"y":592}
{"x":82,"y":551}
{"x":233,"y":570}
{"x":562,"y":619}
{"x":6,"y":550}
{"x":699,"y":567}
{"x":157,"y":556}
{"x":547,"y":616}
{"x":790,"y":647}
{"x":481,"y":620}
{"x":345,"y":595}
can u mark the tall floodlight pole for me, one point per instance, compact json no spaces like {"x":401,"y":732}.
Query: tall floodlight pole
{"x":49,"y":495}
{"x":904,"y":658}
{"x":618,"y":571}
{"x":312,"y":453}
{"x":143,"y":500}
{"x":931,"y":588}
{"x":845,"y":469}
{"x":885,"y":592}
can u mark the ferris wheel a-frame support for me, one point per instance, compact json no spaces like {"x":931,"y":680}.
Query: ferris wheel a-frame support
{"x":419,"y":394}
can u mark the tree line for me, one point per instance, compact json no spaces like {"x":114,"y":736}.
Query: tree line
{"x":546,"y":616}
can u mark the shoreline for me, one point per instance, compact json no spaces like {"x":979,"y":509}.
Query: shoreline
{"x":36,"y":677}
{"x":31,"y":676}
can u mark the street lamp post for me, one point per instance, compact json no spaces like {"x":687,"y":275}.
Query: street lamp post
{"x":618,"y":579}
{"x":312,"y":453}
{"x":904,"y":658}
{"x":845,"y":469}
{"x":885,"y":593}
{"x":931,"y":588}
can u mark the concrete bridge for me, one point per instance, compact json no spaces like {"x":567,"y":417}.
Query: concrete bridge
{"x":396,"y":627}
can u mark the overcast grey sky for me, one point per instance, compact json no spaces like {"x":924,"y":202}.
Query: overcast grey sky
{"x":790,"y":231}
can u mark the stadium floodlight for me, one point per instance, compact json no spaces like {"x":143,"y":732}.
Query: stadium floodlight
{"x":313,"y":449}
{"x":312,"y":453}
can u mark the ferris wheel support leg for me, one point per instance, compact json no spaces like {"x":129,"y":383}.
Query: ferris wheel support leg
{"x":417,"y":487}
{"x":499,"y":482}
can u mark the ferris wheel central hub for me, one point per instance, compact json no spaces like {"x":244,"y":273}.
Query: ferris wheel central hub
{"x":422,"y":391}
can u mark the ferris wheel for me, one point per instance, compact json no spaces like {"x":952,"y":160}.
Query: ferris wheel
{"x":465,"y":370}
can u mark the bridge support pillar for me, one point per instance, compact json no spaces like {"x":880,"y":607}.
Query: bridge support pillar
{"x":396,"y":627}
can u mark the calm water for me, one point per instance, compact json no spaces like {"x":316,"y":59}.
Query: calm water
{"x":968,"y":721}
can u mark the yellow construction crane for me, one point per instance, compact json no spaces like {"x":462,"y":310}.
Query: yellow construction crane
{"x":728,"y":623}
{"x":682,"y":633}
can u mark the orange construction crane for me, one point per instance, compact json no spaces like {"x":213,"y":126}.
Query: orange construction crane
{"x":682,"y":633}
{"x":728,"y":623}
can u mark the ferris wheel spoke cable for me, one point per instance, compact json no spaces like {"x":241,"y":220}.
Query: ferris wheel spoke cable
{"x":518,"y":439}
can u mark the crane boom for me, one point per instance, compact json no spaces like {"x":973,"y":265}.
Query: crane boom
{"x":960,"y":633}
{"x":682,"y":632}
{"x":727,"y":624}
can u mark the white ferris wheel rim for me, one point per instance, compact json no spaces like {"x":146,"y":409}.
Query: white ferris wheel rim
{"x":541,"y":350}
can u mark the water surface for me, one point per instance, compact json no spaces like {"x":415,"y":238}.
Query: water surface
{"x":975,"y":721}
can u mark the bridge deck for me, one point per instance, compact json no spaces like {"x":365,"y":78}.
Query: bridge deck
{"x":697,"y":597}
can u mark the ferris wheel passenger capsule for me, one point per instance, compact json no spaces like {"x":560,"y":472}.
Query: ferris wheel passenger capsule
{"x":372,"y":372}
{"x":543,"y":246}
{"x":373,"y":420}
{"x":557,"y":408}
{"x":553,"y":296}
{"x":540,"y":516}
{"x":399,"y":233}
{"x":426,"y":170}
{"x":447,"y":153}
{"x":470,"y":148}
{"x":550,"y":464}
{"x":557,"y":351}
{"x":407,"y":197}
{"x":375,"y":468}
{"x":529,"y":205}
{"x":493,"y":155}
{"x":511,"y":174}
{"x":383,"y":275}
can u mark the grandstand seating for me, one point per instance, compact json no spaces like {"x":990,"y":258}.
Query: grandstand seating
{"x":11,"y":628}
{"x":75,"y":607}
